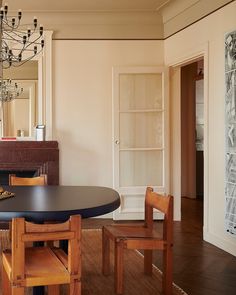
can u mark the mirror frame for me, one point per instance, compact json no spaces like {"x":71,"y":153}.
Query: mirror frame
{"x":44,"y":104}
{"x":44,"y":107}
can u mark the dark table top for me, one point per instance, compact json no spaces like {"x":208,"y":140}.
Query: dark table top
{"x":45,"y":203}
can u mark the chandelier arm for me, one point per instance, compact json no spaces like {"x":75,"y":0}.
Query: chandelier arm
{"x":8,"y":24}
{"x":18,"y":41}
{"x":10,"y":38}
{"x":22,"y":31}
{"x":10,"y":34}
{"x":13,"y":36}
{"x":31,"y":43}
{"x":18,"y":64}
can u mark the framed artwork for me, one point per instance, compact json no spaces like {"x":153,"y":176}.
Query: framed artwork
{"x":230,"y":132}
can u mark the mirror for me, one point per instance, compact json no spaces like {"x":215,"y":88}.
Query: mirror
{"x":34,"y":106}
{"x":19,"y":114}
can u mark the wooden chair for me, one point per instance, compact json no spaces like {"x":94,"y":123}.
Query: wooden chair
{"x":40,"y":266}
{"x":136,"y":236}
{"x":38,"y":180}
{"x":28,"y":181}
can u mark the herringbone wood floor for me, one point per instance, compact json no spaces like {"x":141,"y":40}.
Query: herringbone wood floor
{"x":199,"y":267}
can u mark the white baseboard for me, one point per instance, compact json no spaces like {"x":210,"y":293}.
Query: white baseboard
{"x":223,"y":244}
{"x":108,"y":215}
{"x":135,"y":215}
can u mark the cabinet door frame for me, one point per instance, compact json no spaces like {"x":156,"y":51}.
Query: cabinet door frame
{"x":138,"y":212}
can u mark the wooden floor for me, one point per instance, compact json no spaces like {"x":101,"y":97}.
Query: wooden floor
{"x":199,"y":267}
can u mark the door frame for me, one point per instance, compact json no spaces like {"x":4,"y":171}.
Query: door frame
{"x":175,"y":107}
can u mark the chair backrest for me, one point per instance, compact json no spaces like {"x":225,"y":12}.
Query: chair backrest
{"x":23,"y":232}
{"x":38,"y":180}
{"x":165,"y":205}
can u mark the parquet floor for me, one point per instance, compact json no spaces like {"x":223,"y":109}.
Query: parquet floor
{"x":199,"y":267}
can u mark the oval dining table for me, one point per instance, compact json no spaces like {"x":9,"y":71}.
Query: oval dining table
{"x":48,"y":203}
{"x":57,"y":203}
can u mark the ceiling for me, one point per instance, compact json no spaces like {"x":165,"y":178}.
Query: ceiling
{"x":88,"y":5}
{"x":116,"y":19}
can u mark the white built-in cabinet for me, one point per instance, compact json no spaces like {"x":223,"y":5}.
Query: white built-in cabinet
{"x":140,"y":137}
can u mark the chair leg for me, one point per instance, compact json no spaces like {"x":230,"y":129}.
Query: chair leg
{"x":148,"y":262}
{"x":119,"y":266}
{"x":53,"y":289}
{"x":167,"y":279}
{"x":10,"y":230}
{"x":6,"y":287}
{"x":75,"y":288}
{"x":105,"y":253}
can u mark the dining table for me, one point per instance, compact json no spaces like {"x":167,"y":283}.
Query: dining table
{"x":48,"y":203}
{"x":41,"y":204}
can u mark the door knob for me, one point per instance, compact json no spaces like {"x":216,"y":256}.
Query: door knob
{"x":117,"y":142}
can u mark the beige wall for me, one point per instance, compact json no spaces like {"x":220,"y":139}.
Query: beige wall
{"x":28,"y":71}
{"x":207,"y":37}
{"x":82,"y":100}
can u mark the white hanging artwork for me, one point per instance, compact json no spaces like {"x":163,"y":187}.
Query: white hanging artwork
{"x":230,"y":131}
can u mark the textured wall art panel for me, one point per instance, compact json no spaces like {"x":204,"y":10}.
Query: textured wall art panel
{"x":230,"y":131}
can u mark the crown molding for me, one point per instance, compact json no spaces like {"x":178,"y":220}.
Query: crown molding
{"x":180,"y":14}
{"x":101,"y":25}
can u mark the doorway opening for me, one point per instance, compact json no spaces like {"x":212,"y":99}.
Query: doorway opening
{"x":192,"y":136}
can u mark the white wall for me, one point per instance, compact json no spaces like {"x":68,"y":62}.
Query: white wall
{"x":207,"y":36}
{"x":82,"y":100}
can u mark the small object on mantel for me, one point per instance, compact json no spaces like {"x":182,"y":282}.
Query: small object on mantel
{"x":8,"y":138}
{"x":40,"y":132}
{"x":5,"y":194}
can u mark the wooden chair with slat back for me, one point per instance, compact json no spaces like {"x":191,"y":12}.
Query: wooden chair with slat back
{"x":42,"y":266}
{"x":14,"y":180}
{"x":38,"y":180}
{"x":143,"y":237}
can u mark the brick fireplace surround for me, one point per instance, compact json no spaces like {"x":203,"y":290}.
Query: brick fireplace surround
{"x":37,"y":156}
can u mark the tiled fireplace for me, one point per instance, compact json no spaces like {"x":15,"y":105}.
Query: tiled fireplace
{"x":29,"y":158}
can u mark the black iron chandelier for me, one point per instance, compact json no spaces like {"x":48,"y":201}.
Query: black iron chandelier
{"x":19,"y":43}
{"x":9,"y":90}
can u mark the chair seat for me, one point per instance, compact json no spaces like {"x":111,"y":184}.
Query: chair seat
{"x":131,"y":231}
{"x":40,"y":263}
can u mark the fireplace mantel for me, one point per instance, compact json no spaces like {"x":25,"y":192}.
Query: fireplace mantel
{"x":40,"y":156}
